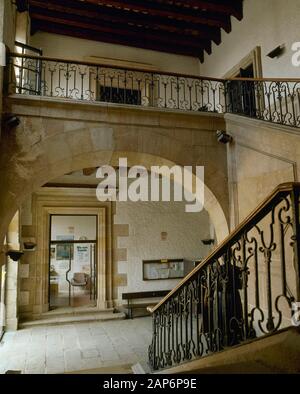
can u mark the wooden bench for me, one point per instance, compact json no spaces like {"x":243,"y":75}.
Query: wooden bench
{"x":141,"y":295}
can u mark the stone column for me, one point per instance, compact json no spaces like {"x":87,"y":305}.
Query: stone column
{"x":2,"y":288}
{"x":11,"y":297}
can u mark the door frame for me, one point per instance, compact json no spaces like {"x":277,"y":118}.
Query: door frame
{"x":52,"y":200}
{"x":253,"y":57}
{"x":100,"y":242}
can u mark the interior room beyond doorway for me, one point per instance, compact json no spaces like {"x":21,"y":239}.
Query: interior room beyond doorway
{"x":72,"y":261}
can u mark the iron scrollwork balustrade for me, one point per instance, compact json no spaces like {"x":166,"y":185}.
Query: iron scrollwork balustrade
{"x":244,"y":290}
{"x":272,"y":101}
{"x":71,"y":80}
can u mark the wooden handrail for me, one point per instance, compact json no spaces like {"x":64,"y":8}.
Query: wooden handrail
{"x":284,"y":187}
{"x":264,"y":79}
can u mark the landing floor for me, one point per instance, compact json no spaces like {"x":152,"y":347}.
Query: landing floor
{"x":111,"y":346}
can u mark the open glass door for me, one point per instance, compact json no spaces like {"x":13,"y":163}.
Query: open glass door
{"x":72,"y":261}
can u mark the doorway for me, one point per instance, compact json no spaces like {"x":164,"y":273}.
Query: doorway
{"x":245,"y":97}
{"x":241,"y":94}
{"x":73,"y":260}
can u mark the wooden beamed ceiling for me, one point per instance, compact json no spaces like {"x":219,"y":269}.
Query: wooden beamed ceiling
{"x":174,"y":26}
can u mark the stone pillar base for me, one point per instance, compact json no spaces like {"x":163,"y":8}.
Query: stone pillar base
{"x":11,"y":324}
{"x":104,"y":305}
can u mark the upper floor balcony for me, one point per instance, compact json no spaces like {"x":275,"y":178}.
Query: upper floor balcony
{"x":270,"y":100}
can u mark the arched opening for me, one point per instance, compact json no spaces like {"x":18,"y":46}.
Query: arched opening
{"x":35,"y":226}
{"x":75,"y":198}
{"x":43,"y":149}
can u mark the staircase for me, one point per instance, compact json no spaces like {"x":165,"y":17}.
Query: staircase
{"x":237,"y":311}
{"x":273,"y":353}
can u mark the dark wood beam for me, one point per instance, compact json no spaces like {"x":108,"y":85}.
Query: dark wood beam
{"x":239,"y":10}
{"x":22,"y":5}
{"x":174,"y":26}
{"x":106,"y":15}
{"x":228,"y":7}
{"x":63,"y":29}
{"x":166,"y":11}
{"x":148,"y":36}
{"x":111,"y":27}
{"x":207,"y":20}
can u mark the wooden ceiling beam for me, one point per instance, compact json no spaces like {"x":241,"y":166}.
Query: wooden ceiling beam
{"x":96,"y":14}
{"x":200,"y":21}
{"x":81,"y":23}
{"x":174,"y":26}
{"x":162,"y":10}
{"x":227,"y":7}
{"x":64,"y":29}
{"x":22,"y":5}
{"x":108,"y":23}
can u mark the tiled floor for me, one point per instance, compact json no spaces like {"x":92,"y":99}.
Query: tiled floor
{"x":78,"y":346}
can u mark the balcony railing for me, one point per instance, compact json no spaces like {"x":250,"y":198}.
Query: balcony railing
{"x":276,"y":101}
{"x":90,"y":82}
{"x":245,"y":289}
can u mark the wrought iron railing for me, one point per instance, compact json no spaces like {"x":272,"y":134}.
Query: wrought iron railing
{"x":74,"y":80}
{"x":276,"y":101}
{"x":245,"y":289}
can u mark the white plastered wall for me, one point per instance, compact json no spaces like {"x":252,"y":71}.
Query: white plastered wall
{"x":266,"y":23}
{"x":147,"y":221}
{"x":65,"y":47}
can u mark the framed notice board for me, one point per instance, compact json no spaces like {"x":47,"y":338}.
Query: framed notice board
{"x":164,"y":269}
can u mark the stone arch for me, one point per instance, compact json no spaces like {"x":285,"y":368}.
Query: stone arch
{"x":211,"y":204}
{"x":41,"y":149}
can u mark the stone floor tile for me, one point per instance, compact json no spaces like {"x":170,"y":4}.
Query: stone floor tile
{"x":35,"y":371}
{"x":70,"y":343}
{"x":76,"y":346}
{"x":89,"y":353}
{"x":55,"y":365}
{"x":91,"y":363}
{"x":36,"y":362}
{"x":109,"y":355}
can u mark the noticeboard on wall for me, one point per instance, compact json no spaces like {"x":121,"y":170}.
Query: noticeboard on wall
{"x":165,"y":269}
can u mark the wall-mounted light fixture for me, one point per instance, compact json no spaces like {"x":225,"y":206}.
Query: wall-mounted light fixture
{"x":208,"y":241}
{"x":277,"y":52}
{"x":11,"y":120}
{"x":15,"y":255}
{"x":223,"y":137}
{"x":29,"y":245}
{"x":163,"y":235}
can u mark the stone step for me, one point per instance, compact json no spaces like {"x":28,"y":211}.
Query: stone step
{"x":77,"y":318}
{"x":78,"y":311}
{"x":141,"y":368}
{"x":124,"y":369}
